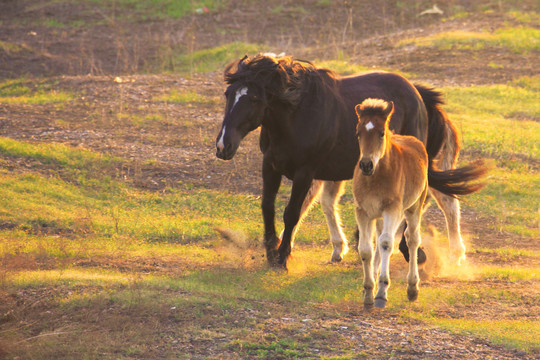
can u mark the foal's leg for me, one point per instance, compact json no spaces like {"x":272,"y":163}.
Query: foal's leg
{"x":332,"y":191}
{"x":412,"y":234}
{"x":450,"y":208}
{"x":365,"y":248}
{"x":385,"y":243}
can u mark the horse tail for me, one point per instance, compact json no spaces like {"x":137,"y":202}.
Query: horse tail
{"x":443,"y":140}
{"x":443,"y":145}
{"x":455,"y":182}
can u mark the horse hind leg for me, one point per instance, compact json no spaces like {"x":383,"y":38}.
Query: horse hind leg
{"x":446,"y":160}
{"x":332,"y":192}
{"x":412,"y":234}
{"x":451,"y":210}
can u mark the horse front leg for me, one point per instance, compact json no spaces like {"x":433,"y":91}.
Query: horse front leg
{"x":365,"y":248}
{"x":271,"y":184}
{"x":385,"y":244}
{"x":310,"y":199}
{"x":301,"y":185}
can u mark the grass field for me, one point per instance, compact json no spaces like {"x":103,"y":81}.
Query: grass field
{"x":93,"y":265}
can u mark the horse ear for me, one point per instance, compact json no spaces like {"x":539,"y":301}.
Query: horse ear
{"x":389,"y":109}
{"x":242,"y":61}
{"x":358,"y":109}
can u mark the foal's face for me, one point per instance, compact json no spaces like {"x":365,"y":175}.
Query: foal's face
{"x":244,"y":111}
{"x":371,"y":133}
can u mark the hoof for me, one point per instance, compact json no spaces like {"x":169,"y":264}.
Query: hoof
{"x":336,"y":259}
{"x":421,"y":256}
{"x":272,"y":257}
{"x":412,"y":294}
{"x":368,"y":307}
{"x":380,"y":303}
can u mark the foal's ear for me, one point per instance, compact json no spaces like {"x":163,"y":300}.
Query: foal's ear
{"x":389,"y":109}
{"x":358,"y":109}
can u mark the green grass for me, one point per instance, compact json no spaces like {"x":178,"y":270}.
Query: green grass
{"x":501,"y":122}
{"x":26,"y":92}
{"x":187,"y":97}
{"x":214,"y":59}
{"x":510,"y":333}
{"x":9,"y":47}
{"x":520,"y":40}
{"x":342,"y":67}
{"x":51,"y":153}
{"x":158,"y":9}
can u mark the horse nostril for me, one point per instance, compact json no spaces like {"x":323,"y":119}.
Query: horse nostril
{"x":366,"y":166}
{"x":369,"y":165}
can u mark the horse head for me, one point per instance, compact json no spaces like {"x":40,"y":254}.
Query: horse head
{"x":372,"y":131}
{"x":254,"y":85}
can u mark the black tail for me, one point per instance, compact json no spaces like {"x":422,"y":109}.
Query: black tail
{"x":438,"y":124}
{"x":456,"y":182}
{"x":441,"y":132}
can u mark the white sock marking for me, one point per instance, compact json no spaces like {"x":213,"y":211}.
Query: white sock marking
{"x":369,"y":126}
{"x":220,"y":143}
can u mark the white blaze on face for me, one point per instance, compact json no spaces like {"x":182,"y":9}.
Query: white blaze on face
{"x":369,"y":126}
{"x":239,"y":93}
{"x":220,"y":143}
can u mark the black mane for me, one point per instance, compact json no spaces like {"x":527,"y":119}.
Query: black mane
{"x":286,"y":78}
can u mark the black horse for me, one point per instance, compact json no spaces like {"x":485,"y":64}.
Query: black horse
{"x":308,"y":122}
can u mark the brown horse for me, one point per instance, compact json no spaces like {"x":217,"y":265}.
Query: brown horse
{"x":391,"y":182}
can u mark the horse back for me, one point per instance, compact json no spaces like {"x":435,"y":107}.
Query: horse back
{"x":410,"y":116}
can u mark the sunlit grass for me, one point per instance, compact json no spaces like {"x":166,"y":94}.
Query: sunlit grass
{"x":509,"y":333}
{"x":342,"y":67}
{"x":311,"y":282}
{"x":19,"y":92}
{"x":520,"y":40}
{"x":40,"y":97}
{"x":187,"y":97}
{"x":51,"y":153}
{"x":164,"y":9}
{"x":501,"y":122}
{"x":207,"y":60}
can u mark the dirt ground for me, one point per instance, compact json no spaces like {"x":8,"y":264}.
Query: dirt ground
{"x":103,"y":65}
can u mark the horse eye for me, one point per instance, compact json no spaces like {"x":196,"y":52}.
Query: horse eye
{"x":381,"y":135}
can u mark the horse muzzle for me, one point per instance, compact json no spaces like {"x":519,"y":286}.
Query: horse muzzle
{"x":366,"y":167}
{"x":227,"y":152}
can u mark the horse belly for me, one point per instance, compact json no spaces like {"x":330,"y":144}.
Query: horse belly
{"x":334,"y":172}
{"x":339,"y":163}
